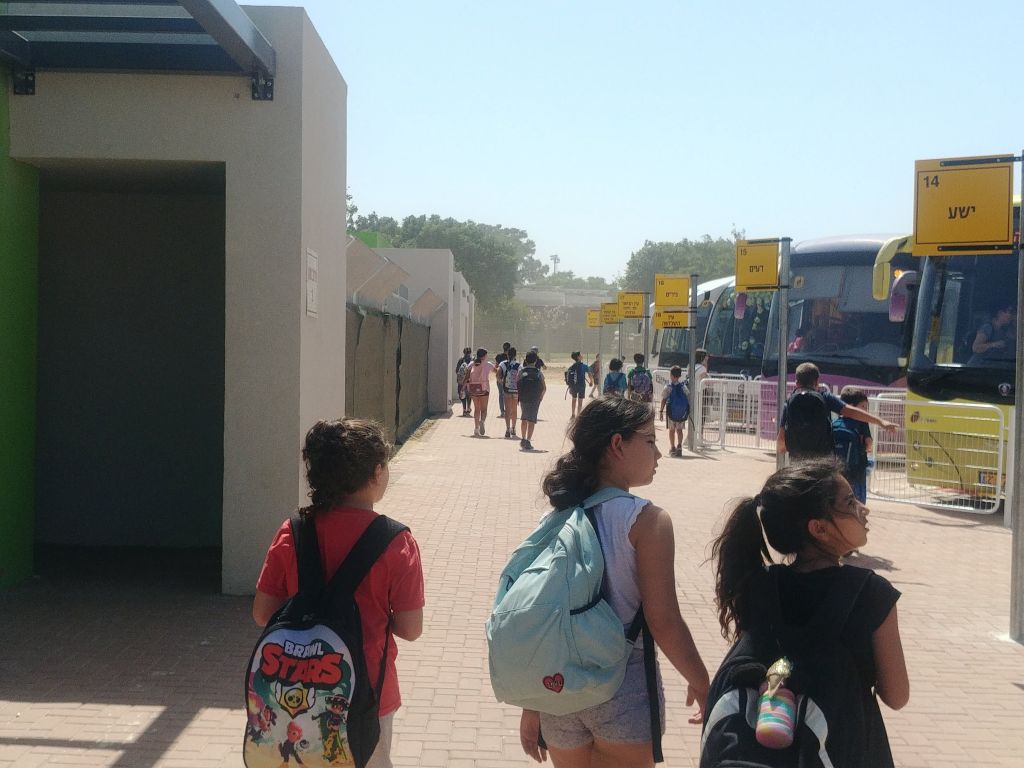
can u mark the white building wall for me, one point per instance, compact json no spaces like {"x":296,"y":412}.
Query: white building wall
{"x":462,"y":313}
{"x":322,"y":362}
{"x":281,"y":369}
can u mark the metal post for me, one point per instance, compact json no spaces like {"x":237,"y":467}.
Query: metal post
{"x":783,"y":296}
{"x":620,"y":339}
{"x":691,"y":331}
{"x":647,"y":324}
{"x":1017,"y":542}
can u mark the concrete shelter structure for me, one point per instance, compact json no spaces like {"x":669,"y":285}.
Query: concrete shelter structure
{"x":440,"y":297}
{"x":191,"y":294}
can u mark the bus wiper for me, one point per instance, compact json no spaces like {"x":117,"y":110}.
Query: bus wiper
{"x":937,"y":374}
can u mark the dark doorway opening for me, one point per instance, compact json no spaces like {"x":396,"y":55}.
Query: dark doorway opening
{"x":130,"y":416}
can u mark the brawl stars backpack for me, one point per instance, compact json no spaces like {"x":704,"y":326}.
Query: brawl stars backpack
{"x":308,"y":692}
{"x":555,"y":645}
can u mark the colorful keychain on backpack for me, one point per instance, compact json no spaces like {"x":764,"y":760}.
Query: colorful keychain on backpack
{"x":776,"y":708}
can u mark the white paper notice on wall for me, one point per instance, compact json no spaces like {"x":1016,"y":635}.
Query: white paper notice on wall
{"x":312,"y":278}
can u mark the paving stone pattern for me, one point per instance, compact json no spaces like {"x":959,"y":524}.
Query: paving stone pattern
{"x":140,"y":663}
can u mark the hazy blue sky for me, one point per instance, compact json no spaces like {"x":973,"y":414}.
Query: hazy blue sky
{"x":597,"y":125}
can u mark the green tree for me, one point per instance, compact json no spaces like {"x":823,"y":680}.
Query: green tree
{"x":532,"y":270}
{"x":709,"y":258}
{"x":494,"y":259}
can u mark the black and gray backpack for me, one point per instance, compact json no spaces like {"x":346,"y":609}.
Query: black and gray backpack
{"x":837,"y":720}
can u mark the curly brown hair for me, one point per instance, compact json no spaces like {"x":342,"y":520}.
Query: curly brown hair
{"x":341,"y":457}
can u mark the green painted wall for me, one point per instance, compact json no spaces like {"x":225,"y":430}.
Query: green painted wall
{"x":19,"y":217}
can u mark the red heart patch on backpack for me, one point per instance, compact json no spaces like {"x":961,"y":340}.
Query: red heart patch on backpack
{"x":554,"y":682}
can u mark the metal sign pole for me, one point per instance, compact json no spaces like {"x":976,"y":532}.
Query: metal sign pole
{"x":783,"y":295}
{"x":647,"y":325}
{"x":620,"y":339}
{"x":691,"y":331}
{"x":1017,"y":478}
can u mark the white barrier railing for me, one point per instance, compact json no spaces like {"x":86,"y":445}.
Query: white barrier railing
{"x":943,"y":455}
{"x":946,"y":455}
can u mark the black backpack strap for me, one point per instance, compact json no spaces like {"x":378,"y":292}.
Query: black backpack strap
{"x":651,"y":674}
{"x":636,"y":627}
{"x":350,"y":574}
{"x":307,"y":554}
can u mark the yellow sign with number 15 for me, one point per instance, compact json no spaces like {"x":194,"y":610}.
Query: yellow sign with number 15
{"x":757,"y":264}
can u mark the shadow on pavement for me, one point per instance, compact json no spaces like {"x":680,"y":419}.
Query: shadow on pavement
{"x":132,"y":627}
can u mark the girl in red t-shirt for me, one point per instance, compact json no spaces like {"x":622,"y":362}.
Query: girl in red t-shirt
{"x":347,"y":472}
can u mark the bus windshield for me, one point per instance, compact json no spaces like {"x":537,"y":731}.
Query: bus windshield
{"x":833,"y":316}
{"x":740,"y":341}
{"x":967,"y":313}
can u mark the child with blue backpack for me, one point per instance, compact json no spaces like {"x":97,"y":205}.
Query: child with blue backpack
{"x":615,"y":379}
{"x":851,"y":440}
{"x":676,"y":401}
{"x":614,"y":447}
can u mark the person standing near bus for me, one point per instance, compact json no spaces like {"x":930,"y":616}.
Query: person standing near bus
{"x":806,"y":431}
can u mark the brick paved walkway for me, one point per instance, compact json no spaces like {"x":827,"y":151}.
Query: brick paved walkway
{"x":150,"y":673}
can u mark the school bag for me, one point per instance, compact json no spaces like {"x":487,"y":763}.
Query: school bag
{"x":308,"y":690}
{"x":555,"y":645}
{"x":462,"y":373}
{"x":808,"y":425}
{"x":615,"y":383}
{"x":511,"y":377}
{"x":642,"y":382}
{"x":848,"y":445}
{"x":836,"y":722}
{"x":572,"y":375}
{"x":528,"y":382}
{"x":678,"y":402}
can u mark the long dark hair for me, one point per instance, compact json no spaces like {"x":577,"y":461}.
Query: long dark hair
{"x":577,"y":473}
{"x":776,"y":517}
{"x":341,"y":457}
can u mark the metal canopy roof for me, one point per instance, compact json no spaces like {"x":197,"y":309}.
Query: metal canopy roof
{"x":148,"y":35}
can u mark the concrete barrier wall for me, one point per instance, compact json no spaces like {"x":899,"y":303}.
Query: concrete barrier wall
{"x":386,"y":359}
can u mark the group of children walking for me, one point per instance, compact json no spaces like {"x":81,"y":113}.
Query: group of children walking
{"x":521,"y":388}
{"x":808,"y":513}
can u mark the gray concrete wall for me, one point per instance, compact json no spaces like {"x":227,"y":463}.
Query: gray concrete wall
{"x":280,"y":371}
{"x":131,"y":368}
{"x":387,"y":364}
{"x":434,"y":269}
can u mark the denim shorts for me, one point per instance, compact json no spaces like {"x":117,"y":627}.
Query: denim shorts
{"x":623,"y":719}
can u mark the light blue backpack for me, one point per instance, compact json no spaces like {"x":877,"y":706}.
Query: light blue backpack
{"x":555,"y":644}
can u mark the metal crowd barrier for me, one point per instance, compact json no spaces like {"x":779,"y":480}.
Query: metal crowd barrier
{"x":941,"y":455}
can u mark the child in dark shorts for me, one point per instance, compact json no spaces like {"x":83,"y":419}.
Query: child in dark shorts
{"x":531,"y":392}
